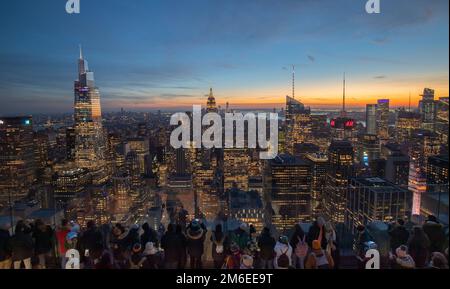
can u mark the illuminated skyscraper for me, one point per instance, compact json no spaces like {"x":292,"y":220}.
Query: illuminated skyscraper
{"x":340,"y":170}
{"x":371,"y":119}
{"x":427,"y":109}
{"x":424,"y":144}
{"x":368,"y":149}
{"x":90,"y":144}
{"x":375,"y":199}
{"x":140,"y":145}
{"x":289,"y":183}
{"x":406,"y":123}
{"x":211,"y":104}
{"x":442,"y":120}
{"x":319,"y":167}
{"x":17,"y":161}
{"x":298,"y":120}
{"x":235,"y":168}
{"x":437,"y":174}
{"x":383,"y":119}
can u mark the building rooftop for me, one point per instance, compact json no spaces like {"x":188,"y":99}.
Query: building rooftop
{"x":288,"y":160}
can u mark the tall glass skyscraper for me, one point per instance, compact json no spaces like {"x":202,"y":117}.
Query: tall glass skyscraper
{"x":17,"y":163}
{"x":90,"y":145}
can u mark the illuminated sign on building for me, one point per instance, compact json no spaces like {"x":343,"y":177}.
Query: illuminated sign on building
{"x":345,"y":123}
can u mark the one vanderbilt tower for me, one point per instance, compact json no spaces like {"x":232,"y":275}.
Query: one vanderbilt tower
{"x":90,"y":145}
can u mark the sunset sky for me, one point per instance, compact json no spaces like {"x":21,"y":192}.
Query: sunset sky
{"x":166,"y":54}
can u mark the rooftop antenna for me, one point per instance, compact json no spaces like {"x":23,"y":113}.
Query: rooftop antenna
{"x":409,"y":102}
{"x":343,"y":98}
{"x":293,"y":81}
{"x":81,"y":51}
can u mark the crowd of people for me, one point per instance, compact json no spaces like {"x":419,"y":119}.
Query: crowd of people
{"x":183,"y":245}
{"x":422,"y":246}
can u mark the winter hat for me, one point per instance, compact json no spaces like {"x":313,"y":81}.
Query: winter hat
{"x":137,"y":248}
{"x":150,"y":249}
{"x":401,"y":251}
{"x":71,"y":235}
{"x":234,"y":248}
{"x":243,"y":226}
{"x":195,"y":225}
{"x":438,"y":260}
{"x":316,"y":245}
{"x":284,"y":239}
{"x":75,"y":227}
{"x":247,"y":261}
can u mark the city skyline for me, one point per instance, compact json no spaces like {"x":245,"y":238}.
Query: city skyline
{"x":156,"y":62}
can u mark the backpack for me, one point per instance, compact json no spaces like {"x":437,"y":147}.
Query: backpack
{"x":283,"y":259}
{"x":301,"y":249}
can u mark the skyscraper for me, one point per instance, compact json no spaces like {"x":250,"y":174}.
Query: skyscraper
{"x":340,"y":170}
{"x":424,"y":144}
{"x":375,"y":199}
{"x":427,"y":109}
{"x":90,"y":144}
{"x":371,"y":119}
{"x":343,"y":127}
{"x":289,"y":182}
{"x":319,"y":167}
{"x":298,"y":120}
{"x":211,"y":103}
{"x":17,"y":162}
{"x":383,"y":119}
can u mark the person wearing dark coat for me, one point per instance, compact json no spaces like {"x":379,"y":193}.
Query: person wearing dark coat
{"x":149,"y":235}
{"x":44,"y":242}
{"x":22,"y":246}
{"x":316,"y":232}
{"x":399,"y":235}
{"x":241,"y":237}
{"x":419,"y":245}
{"x":266,"y":244}
{"x":91,"y":244}
{"x":435,"y":233}
{"x":182,"y":254}
{"x":219,"y":246}
{"x":5,"y":247}
{"x":120,"y":244}
{"x":195,"y":235}
{"x":171,"y":243}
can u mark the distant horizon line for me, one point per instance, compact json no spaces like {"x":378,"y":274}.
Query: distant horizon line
{"x":186,"y":108}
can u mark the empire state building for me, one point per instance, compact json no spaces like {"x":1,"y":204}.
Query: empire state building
{"x":90,"y":144}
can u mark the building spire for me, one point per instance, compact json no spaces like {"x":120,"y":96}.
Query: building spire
{"x":409,"y":102}
{"x":343,"y":97}
{"x":81,"y":51}
{"x":293,"y":81}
